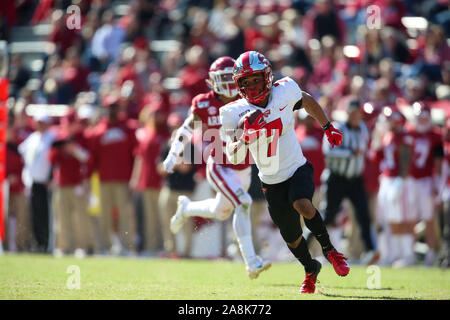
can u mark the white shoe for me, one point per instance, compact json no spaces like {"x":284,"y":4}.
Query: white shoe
{"x":116,"y":245}
{"x":386,"y":262}
{"x":115,"y":250}
{"x":405,"y":262}
{"x":177,"y":221}
{"x":256,"y":268}
{"x":430,"y":258}
{"x":58,"y":253}
{"x":79,"y":253}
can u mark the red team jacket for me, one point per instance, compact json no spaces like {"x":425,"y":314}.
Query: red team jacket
{"x":112,"y":147}
{"x":68,"y":170}
{"x":150,"y":143}
{"x":14,"y":167}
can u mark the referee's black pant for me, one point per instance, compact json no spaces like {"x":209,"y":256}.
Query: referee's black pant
{"x":338,"y":188}
{"x":40,"y":215}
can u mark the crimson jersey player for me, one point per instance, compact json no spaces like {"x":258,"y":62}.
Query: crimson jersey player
{"x":425,"y":174}
{"x":394,"y":153}
{"x":230,"y":181}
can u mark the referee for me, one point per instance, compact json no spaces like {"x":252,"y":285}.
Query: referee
{"x":345,"y":165}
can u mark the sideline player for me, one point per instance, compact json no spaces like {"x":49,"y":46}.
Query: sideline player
{"x":393,"y":150}
{"x":425,"y":174}
{"x":286,"y":175}
{"x":230,"y":181}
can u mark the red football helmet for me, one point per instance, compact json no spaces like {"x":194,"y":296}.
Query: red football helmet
{"x":422,"y":116}
{"x":250,"y":63}
{"x":221,"y":77}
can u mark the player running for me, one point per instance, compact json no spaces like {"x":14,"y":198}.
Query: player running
{"x":286,"y":175}
{"x":230,"y":181}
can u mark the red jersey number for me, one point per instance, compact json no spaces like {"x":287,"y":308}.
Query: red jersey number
{"x":273,"y":128}
{"x":421,"y":152}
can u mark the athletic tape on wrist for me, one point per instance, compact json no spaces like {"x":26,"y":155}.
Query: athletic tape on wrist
{"x":327,"y":126}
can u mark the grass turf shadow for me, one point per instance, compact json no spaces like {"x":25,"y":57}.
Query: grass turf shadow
{"x":330,"y":287}
{"x":363,"y":297}
{"x":359,"y":288}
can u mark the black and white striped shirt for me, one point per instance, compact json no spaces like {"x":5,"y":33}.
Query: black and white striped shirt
{"x":341,"y":160}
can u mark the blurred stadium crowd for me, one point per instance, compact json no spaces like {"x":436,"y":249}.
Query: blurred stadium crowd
{"x":116,"y":87}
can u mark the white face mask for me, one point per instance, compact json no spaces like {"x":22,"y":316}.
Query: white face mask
{"x":222,"y":83}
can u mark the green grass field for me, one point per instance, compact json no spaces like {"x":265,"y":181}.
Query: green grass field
{"x":44,"y":277}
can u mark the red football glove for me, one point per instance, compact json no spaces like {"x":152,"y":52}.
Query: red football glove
{"x":253,"y":130}
{"x":334,"y":136}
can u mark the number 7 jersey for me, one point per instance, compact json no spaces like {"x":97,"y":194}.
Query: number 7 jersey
{"x":277,"y":152}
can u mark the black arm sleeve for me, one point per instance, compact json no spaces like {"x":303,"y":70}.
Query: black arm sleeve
{"x":298,"y":105}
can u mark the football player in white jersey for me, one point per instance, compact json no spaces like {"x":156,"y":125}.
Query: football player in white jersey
{"x":286,"y":175}
{"x":230,"y":181}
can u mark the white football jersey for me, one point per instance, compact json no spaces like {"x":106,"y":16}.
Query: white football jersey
{"x":277,"y":152}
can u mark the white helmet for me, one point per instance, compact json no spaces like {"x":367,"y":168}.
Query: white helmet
{"x":221,"y":77}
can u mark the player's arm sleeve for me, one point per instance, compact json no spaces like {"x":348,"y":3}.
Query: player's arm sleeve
{"x":235,"y":150}
{"x":183,"y":135}
{"x":298,"y":105}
